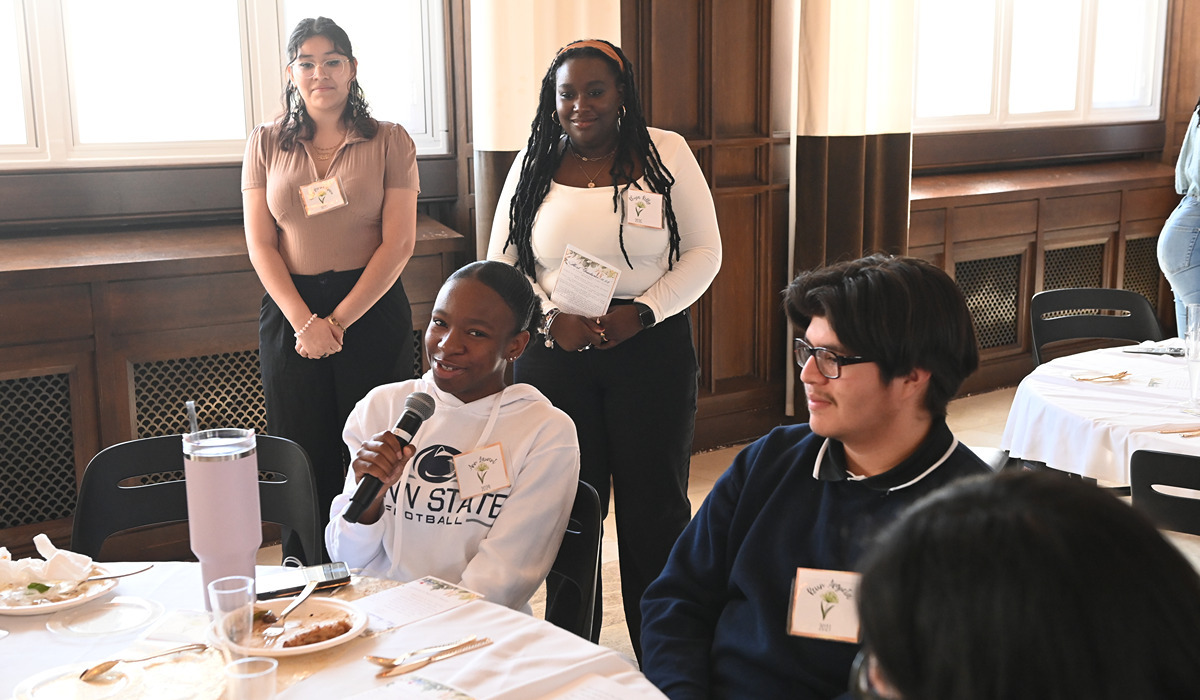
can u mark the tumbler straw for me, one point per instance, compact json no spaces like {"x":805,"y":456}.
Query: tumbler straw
{"x":191,"y":409}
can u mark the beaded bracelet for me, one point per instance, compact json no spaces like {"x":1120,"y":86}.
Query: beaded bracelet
{"x":306,"y":325}
{"x":547,"y":320}
{"x":334,"y":322}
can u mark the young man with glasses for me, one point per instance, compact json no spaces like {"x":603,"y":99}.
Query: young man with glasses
{"x":884,"y":343}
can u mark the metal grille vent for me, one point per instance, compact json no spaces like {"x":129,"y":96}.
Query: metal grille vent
{"x":1141,"y":268}
{"x":37,"y":450}
{"x":227,"y":389}
{"x":1082,"y":266}
{"x":990,"y":286}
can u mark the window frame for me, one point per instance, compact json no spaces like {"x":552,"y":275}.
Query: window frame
{"x":1028,"y":141}
{"x":52,"y":139}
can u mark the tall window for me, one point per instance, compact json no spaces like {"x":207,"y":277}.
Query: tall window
{"x":996,"y":64}
{"x":129,"y":82}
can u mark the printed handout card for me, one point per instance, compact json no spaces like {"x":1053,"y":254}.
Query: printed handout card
{"x":585,"y":284}
{"x":415,"y":600}
{"x":322,"y":195}
{"x":413,"y":688}
{"x":824,"y":605}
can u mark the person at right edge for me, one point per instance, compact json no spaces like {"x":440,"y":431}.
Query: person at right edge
{"x":629,"y":377}
{"x":1178,"y":254}
{"x":884,"y":343}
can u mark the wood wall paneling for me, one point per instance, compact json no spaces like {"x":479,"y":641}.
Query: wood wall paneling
{"x":1066,"y":226}
{"x":703,"y":71}
{"x":738,"y":96}
{"x":674,"y":64}
{"x":736,"y":324}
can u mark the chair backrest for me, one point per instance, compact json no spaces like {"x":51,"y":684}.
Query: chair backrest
{"x":577,"y":567}
{"x":1148,"y":468}
{"x":140,"y":482}
{"x":1078,"y":313}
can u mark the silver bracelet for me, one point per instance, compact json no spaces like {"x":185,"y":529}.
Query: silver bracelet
{"x":547,"y":320}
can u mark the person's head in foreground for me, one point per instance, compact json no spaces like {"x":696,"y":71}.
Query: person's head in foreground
{"x":1027,"y":586}
{"x":883,"y":344}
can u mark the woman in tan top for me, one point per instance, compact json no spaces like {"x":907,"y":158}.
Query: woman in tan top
{"x":329,"y":198}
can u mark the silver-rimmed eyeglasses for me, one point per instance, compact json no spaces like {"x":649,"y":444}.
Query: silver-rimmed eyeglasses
{"x":829,"y":363}
{"x":330,"y":66}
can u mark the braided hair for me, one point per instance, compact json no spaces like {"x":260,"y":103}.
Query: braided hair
{"x":544,"y":152}
{"x":296,"y":123}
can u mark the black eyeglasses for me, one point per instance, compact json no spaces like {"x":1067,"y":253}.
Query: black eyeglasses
{"x":829,"y":363}
{"x":861,"y":687}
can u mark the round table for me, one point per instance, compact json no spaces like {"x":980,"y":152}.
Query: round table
{"x":1092,"y":428}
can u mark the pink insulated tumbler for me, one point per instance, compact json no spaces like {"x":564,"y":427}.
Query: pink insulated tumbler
{"x":221,"y":472}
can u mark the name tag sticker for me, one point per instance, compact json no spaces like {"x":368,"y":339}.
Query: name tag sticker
{"x":481,"y":471}
{"x":643,"y":209}
{"x":321,"y":196}
{"x":824,"y":605}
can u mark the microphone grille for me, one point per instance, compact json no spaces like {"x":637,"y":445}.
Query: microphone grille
{"x":420,"y":403}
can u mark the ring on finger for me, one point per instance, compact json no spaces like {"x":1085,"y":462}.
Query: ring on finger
{"x":603,"y":338}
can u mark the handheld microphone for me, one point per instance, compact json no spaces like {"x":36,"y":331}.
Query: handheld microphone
{"x":418,"y":407}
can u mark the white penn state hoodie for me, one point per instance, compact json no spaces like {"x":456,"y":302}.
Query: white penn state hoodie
{"x":500,"y":544}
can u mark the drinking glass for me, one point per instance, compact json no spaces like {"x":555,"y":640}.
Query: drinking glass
{"x":1191,"y":344}
{"x":232,"y":599}
{"x":251,"y":678}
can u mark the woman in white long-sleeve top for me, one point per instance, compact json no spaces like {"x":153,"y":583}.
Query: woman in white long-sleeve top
{"x":595,"y":176}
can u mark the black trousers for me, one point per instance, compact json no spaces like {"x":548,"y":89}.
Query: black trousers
{"x":634,"y":409}
{"x":308,"y":401}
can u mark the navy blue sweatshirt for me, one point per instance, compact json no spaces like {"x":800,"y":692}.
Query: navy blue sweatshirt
{"x":714,"y":624}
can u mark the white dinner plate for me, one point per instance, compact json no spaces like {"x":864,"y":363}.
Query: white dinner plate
{"x":119,"y":615}
{"x":86,"y":592}
{"x":358,"y":622}
{"x":188,"y":676}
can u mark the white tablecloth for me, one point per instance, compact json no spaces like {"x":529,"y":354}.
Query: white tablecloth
{"x":1092,"y":428}
{"x":529,"y":658}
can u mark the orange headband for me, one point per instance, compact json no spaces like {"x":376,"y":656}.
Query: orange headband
{"x":593,"y":44}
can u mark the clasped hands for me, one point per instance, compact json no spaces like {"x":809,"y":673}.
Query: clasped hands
{"x":321,"y":339}
{"x":574,"y":332}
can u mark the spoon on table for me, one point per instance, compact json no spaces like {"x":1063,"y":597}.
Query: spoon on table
{"x":91,"y":674}
{"x":277,"y":628}
{"x":127,"y":573}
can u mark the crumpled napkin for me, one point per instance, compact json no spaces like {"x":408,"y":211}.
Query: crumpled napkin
{"x":56,"y":565}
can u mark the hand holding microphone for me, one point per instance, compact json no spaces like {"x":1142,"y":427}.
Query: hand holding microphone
{"x":418,"y":407}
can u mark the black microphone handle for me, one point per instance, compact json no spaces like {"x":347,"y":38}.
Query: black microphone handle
{"x":369,"y":486}
{"x":368,"y":489}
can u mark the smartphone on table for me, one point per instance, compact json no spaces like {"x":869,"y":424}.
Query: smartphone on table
{"x":292,"y":581}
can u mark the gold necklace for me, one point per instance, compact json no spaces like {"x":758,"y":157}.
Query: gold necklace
{"x":580,"y":157}
{"x":326,"y":153}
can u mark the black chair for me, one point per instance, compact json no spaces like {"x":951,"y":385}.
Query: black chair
{"x":1148,"y":468}
{"x":575,"y":571}
{"x":1077,"y":313}
{"x":996,"y":458}
{"x":140,"y":482}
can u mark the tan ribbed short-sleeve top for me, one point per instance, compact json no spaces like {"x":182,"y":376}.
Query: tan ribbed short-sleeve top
{"x":342,"y":238}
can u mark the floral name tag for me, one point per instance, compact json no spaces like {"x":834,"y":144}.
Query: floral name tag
{"x":321,"y":196}
{"x":481,"y":471}
{"x":643,"y":208}
{"x":824,"y":605}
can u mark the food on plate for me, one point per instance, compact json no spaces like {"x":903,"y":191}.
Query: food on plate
{"x":60,"y":575}
{"x":317,"y":633}
{"x":300,"y":629}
